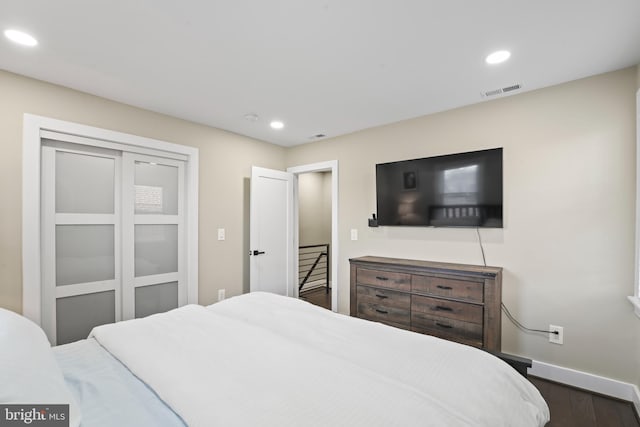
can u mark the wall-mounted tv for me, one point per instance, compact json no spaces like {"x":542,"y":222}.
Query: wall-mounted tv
{"x":455,"y":190}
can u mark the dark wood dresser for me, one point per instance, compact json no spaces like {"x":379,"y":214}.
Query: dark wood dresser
{"x":458,"y":302}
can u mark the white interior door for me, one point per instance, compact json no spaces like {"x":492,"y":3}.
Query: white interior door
{"x":272,"y":232}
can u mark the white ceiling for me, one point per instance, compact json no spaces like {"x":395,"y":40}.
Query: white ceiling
{"x":330,"y":66}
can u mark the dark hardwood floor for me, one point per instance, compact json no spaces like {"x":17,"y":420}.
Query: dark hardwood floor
{"x":318,"y":296}
{"x":572,"y":407}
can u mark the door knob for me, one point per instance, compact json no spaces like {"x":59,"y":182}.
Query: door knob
{"x":258,"y":252}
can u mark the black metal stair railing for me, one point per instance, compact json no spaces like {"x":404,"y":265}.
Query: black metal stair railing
{"x":313,"y":266}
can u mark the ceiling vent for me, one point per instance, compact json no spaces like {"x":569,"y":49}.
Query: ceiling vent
{"x":500,"y":91}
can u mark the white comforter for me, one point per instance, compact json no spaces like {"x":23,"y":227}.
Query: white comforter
{"x":265,"y":360}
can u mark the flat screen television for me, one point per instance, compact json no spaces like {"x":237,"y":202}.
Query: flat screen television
{"x":455,"y":190}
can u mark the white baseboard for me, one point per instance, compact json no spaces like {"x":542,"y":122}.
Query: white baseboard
{"x":586,"y":381}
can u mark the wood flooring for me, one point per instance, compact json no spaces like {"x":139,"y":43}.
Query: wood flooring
{"x":572,"y":407}
{"x":318,"y":296}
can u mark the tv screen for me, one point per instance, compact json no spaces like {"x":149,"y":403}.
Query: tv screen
{"x":455,"y":190}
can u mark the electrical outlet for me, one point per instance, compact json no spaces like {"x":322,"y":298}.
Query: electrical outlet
{"x":556,"y":338}
{"x":221,"y":234}
{"x":221,"y":294}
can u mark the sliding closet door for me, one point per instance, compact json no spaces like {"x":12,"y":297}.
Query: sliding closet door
{"x":80,"y":240}
{"x":113,"y":237}
{"x":153,"y":235}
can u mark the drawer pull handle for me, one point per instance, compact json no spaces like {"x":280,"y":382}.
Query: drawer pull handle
{"x":444,"y":287}
{"x":443,"y":308}
{"x":381,"y":296}
{"x":382,"y":311}
{"x":382,"y":278}
{"x":442,"y":325}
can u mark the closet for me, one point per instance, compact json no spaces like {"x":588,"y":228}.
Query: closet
{"x":113,"y":240}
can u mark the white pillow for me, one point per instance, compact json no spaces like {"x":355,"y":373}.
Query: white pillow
{"x":29,"y":373}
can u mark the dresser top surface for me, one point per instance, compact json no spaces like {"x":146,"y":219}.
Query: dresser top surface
{"x":375,"y":261}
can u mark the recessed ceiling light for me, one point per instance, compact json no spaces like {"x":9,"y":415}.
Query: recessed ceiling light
{"x":20,"y":37}
{"x":252,"y":117}
{"x":498,"y":57}
{"x":276,"y":124}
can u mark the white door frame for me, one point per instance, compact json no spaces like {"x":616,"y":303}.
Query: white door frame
{"x":328,"y":166}
{"x":33,"y":128}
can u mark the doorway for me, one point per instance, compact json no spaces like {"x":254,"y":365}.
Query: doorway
{"x":269,"y":251}
{"x":314,"y":238}
{"x":323,"y":227}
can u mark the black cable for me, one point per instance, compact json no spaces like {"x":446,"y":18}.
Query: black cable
{"x":504,"y":307}
{"x":522,"y":327}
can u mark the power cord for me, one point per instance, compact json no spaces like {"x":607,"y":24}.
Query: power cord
{"x":484,"y":260}
{"x":504,"y":307}
{"x":520,"y":326}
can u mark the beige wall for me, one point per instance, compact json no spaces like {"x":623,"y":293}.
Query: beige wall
{"x":567,"y":247}
{"x":314,"y":209}
{"x":225,"y":167}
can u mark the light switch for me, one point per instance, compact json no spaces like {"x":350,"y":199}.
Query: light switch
{"x":221,"y":234}
{"x":354,"y":234}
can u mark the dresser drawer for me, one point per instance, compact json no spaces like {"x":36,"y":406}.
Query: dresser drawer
{"x":450,"y":288}
{"x":384,"y":297}
{"x":394,"y":316}
{"x":384,"y":279}
{"x":457,"y":302}
{"x":446,"y":308}
{"x":451,"y":329}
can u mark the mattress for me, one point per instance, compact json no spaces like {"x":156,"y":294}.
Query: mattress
{"x":266,"y":360}
{"x":108,"y":394}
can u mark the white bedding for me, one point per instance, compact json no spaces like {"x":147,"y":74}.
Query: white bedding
{"x":265,"y":360}
{"x":107,"y":393}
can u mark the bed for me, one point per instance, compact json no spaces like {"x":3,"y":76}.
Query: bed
{"x":264,"y":360}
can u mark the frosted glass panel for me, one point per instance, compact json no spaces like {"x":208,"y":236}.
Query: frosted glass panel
{"x":84,"y":184}
{"x":156,"y":299}
{"x":156,"y":249}
{"x":84,"y":253}
{"x":77,"y":315}
{"x":156,"y":189}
